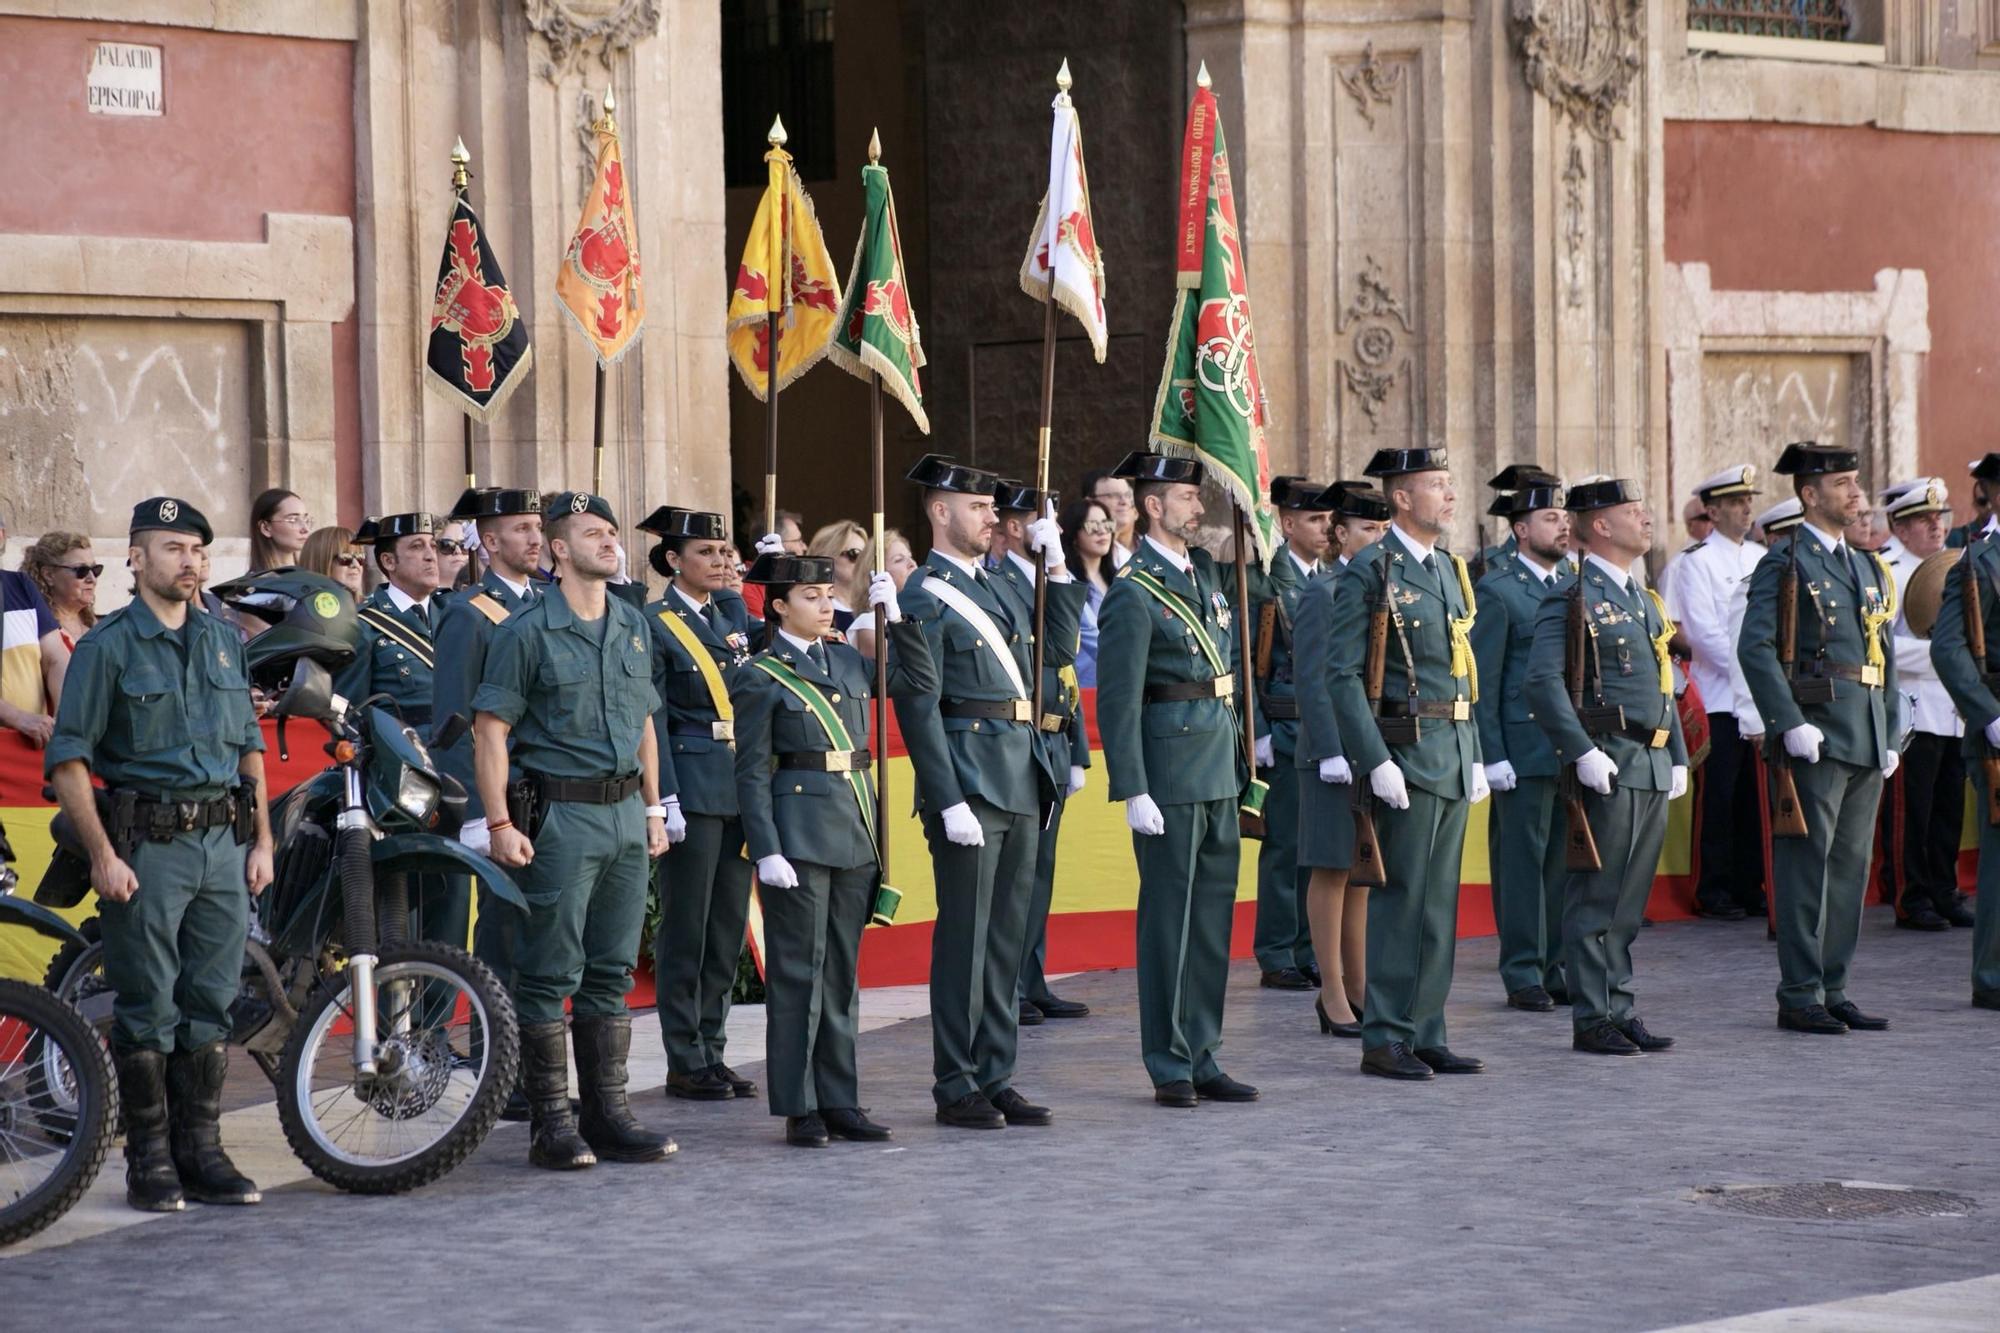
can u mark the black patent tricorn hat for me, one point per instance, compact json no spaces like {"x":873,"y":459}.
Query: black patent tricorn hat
{"x":1009,"y":494}
{"x":386,"y":531}
{"x":1809,"y":459}
{"x":496,"y":502}
{"x":1398,"y":462}
{"x":672,"y":521}
{"x":1144,"y":465}
{"x":1517,"y":475}
{"x":787,"y":569}
{"x":935,"y":472}
{"x":1299,"y":493}
{"x":1355,"y":499}
{"x":1537,"y":495}
{"x":1601,"y":494}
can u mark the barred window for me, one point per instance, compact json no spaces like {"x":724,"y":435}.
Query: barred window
{"x":777,"y":59}
{"x":1812,"y":20}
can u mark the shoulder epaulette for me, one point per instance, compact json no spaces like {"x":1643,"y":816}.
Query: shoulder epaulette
{"x":1692,"y":547}
{"x":487,"y":605}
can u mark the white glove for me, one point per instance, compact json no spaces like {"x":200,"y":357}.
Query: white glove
{"x":1266,"y":756}
{"x":1076,"y":778}
{"x":1993,"y":732}
{"x":962,"y":826}
{"x":771,"y":543}
{"x":882,"y":596}
{"x":775,"y":872}
{"x":1595,"y":770}
{"x":1677,"y":784}
{"x":1386,"y":781}
{"x":1481,"y":788}
{"x":1891,"y":761}
{"x":1142,"y":816}
{"x":1803,"y":742}
{"x":1045,"y":538}
{"x":1336,"y":771}
{"x":474,"y":835}
{"x":677,"y":823}
{"x":1501,"y":776}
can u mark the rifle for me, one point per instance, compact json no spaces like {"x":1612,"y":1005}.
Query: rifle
{"x":1580,"y":851}
{"x":1267,"y":619}
{"x":1788,"y":817}
{"x":1975,"y":643}
{"x":1368,"y":870}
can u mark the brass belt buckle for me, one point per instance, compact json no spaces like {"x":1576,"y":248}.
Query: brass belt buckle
{"x":1660,"y":735}
{"x":1020,"y":710}
{"x":1053,"y":722}
{"x":1225,"y":685}
{"x":839,"y":761}
{"x":1871,"y":675}
{"x":1461,"y":710}
{"x":722,"y":731}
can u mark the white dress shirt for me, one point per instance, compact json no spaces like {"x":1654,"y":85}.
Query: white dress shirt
{"x":1699,"y":597}
{"x":1930,"y":709}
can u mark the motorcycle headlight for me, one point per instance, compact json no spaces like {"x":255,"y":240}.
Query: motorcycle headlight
{"x":417,"y":793}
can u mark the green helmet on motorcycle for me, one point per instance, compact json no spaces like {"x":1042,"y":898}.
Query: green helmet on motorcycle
{"x":310,"y":616}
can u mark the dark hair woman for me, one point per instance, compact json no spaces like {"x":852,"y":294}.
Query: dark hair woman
{"x":279,"y":523}
{"x":1088,"y":532}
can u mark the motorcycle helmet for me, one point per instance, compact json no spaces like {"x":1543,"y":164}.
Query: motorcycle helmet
{"x":310,"y":616}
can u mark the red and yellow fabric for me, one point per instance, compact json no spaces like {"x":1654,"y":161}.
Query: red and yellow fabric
{"x":786,"y":271}
{"x":598,"y":284}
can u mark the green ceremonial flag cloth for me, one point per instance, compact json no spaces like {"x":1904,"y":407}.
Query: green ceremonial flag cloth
{"x":1211,"y":400}
{"x":876,"y":331}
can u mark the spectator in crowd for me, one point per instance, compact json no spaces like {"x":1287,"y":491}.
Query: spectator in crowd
{"x":278,"y":527}
{"x":902,"y":563}
{"x":1088,"y":534}
{"x":246,"y":625}
{"x":844,"y":542}
{"x":793,"y":536}
{"x":1868,"y":532}
{"x":1115,"y":494}
{"x":60,"y":564}
{"x":454,"y":558}
{"x":331,"y":553}
{"x":1694,"y":517}
{"x":33,"y":656}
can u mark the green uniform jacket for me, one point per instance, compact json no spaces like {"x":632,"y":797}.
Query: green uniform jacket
{"x":578,"y":707}
{"x":1862,"y":723}
{"x":1509,"y":597}
{"x":1969,"y":682}
{"x":800,"y":814}
{"x":1441,"y":760}
{"x":465,"y":631}
{"x":1062,"y":631}
{"x":398,"y":664}
{"x":693,"y":764}
{"x":160,"y":712}
{"x":1626,"y":621}
{"x":1285,"y":585}
{"x":1319,"y":728}
{"x":1178,"y":751}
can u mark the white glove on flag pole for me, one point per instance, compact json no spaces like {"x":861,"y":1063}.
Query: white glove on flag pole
{"x":1064,"y":244}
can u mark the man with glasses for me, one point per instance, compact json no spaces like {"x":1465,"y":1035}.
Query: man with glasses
{"x":1115,"y":494}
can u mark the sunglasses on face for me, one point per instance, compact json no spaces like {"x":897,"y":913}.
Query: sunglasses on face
{"x":1099,"y":527}
{"x":853,"y":554}
{"x":348,"y":561}
{"x":84,"y":571}
{"x":450,"y":546}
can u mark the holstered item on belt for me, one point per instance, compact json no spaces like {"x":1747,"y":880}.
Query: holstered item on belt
{"x":584,"y":791}
{"x":1397,"y":730}
{"x":1218,"y":687}
{"x":1820,"y":668}
{"x":67,"y":879}
{"x":163,"y":821}
{"x":1280,"y":708}
{"x":245,"y":797}
{"x":999,"y":710}
{"x":1811,"y":689}
{"x":827,"y":761}
{"x":525,"y":807}
{"x":1053,"y":723}
{"x":1602,"y":719}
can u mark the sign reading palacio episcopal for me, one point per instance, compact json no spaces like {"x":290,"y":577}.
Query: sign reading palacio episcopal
{"x":124,"y":80}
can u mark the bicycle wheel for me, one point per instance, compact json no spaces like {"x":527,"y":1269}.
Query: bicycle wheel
{"x":52,"y":1141}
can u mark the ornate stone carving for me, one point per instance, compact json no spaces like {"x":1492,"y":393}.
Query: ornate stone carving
{"x":1573,"y":178}
{"x":576,"y":28}
{"x":1583,"y":55}
{"x":1371,"y":83}
{"x":1372,"y":318}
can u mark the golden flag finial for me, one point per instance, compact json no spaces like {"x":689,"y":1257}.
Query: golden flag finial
{"x":609,"y":125}
{"x":776,"y":138}
{"x":1201,"y":79}
{"x":875,"y":147}
{"x":1062,"y":76}
{"x":460,"y":160}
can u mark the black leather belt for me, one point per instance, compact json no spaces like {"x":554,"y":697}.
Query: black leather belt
{"x":1001,"y":710}
{"x":1457,"y":710}
{"x":163,"y":819}
{"x":1825,"y":670}
{"x":586,"y":791}
{"x":716,"y":730}
{"x":1280,"y":708}
{"x":827,"y":761}
{"x":1219,"y":687}
{"x":1653,"y":738}
{"x":415,"y":715}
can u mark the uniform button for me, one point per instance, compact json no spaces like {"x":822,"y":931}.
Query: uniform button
{"x":975,"y":726}
{"x":836,"y":698}
{"x":979,"y":643}
{"x":798,"y":789}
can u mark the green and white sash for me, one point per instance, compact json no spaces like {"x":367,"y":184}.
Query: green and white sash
{"x":829,"y":720}
{"x":1178,"y":604}
{"x":994,"y":637}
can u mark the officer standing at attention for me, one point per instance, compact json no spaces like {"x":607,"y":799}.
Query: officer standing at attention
{"x":1838,"y":712}
{"x":1420,"y":754}
{"x":1625,"y":741}
{"x":701,"y":635}
{"x":569,"y":679}
{"x":1513,"y":477}
{"x":802,"y":760}
{"x":1283,"y":939}
{"x":1166,"y":711}
{"x":958,"y":671}
{"x":1524,"y":832}
{"x":1985,"y":520}
{"x":1061,"y":723}
{"x":157,"y":706}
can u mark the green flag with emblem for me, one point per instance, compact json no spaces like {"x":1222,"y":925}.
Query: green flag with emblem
{"x":876,"y":331}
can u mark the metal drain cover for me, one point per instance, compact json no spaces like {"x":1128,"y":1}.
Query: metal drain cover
{"x":1834,"y":1201}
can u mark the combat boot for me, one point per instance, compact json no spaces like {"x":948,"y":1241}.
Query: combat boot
{"x":150,"y":1183}
{"x":603,"y":1042}
{"x":194,"y":1100}
{"x":554,"y":1142}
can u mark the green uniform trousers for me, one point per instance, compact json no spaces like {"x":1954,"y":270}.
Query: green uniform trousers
{"x":1034,"y":953}
{"x":1187,"y":904}
{"x":1986,"y":901}
{"x":1602,"y":910}
{"x":586,"y":891}
{"x":1524,"y":846}
{"x":1283,"y":938}
{"x":1413,"y":921}
{"x":173,"y":953}
{"x":440,"y":911}
{"x":976,"y":942}
{"x":704,"y":907}
{"x":496,"y":934}
{"x":1822,"y":879}
{"x":812,"y":987}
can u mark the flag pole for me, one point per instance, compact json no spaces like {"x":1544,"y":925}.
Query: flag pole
{"x":461,"y":179}
{"x":606,"y":126}
{"x":876,"y":473}
{"x":776,"y":138}
{"x":1245,"y":656}
{"x":1042,"y":441}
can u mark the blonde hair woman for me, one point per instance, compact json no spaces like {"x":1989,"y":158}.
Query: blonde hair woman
{"x":331,"y":552}
{"x":902,"y":563}
{"x":61,"y":566}
{"x":845,"y":543}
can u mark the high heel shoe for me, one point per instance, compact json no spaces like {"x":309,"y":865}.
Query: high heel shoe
{"x":1329,"y":1028}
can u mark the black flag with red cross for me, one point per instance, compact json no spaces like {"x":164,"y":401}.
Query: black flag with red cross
{"x":478,"y":349}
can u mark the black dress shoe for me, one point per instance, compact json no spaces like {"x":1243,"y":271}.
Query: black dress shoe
{"x":1223,"y":1088}
{"x":1054,"y":1006}
{"x":1443,"y":1061}
{"x":1394,"y":1061}
{"x":1287,"y":978}
{"x":1329,"y":1028}
{"x":1603,"y":1038}
{"x":972,"y":1111}
{"x":1986,"y":999}
{"x":1031,"y":1014}
{"x":1719,"y":911}
{"x":1312,"y":974}
{"x":852,"y":1122}
{"x":1532,"y":998}
{"x":1956,"y":915}
{"x":1560,"y":994}
{"x":1847,"y":1013}
{"x":1018,"y":1110}
{"x":1636,"y":1033}
{"x":700,"y":1086}
{"x":1810,"y":1018}
{"x":1922,"y":917}
{"x":1178,"y":1093}
{"x":738,"y":1085}
{"x":805,"y":1131}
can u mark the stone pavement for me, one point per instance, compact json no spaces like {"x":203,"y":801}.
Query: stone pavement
{"x":1555,"y":1192}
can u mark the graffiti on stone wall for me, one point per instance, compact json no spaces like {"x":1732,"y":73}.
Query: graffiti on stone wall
{"x":1754,"y":402}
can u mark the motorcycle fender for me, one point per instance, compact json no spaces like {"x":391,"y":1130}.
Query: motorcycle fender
{"x":418,"y":853}
{"x":21,"y":912}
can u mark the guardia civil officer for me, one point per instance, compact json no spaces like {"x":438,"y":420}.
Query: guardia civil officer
{"x":1625,"y":742}
{"x":1838,"y":712}
{"x":157,"y":706}
{"x":1419,"y":750}
{"x":1985,"y":520}
{"x":1512,"y":478}
{"x":1018,"y":509}
{"x":569,"y":680}
{"x":1283,"y":939}
{"x":1524,"y":833}
{"x":801,"y":769}
{"x":1166,"y":711}
{"x":701,"y":635}
{"x":959,"y":665}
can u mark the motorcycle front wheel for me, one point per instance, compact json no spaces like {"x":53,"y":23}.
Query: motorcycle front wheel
{"x":448,"y":1054}
{"x":55,"y":1108}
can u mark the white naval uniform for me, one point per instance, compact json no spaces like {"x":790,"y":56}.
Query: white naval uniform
{"x":1708,"y":577}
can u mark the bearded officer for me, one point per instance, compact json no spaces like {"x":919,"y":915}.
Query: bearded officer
{"x":1524,"y":833}
{"x":1837,"y":711}
{"x":157,"y":706}
{"x":1985,"y":519}
{"x":701,"y":635}
{"x":569,"y":681}
{"x":1512,"y":478}
{"x":958,"y":671}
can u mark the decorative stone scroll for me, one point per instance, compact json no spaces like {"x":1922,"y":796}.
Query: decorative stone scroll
{"x":1583,"y":55}
{"x":1371,"y":83}
{"x":577,"y":28}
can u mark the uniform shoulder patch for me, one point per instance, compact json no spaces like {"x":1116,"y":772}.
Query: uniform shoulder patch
{"x":1692,"y":547}
{"x":487,"y":605}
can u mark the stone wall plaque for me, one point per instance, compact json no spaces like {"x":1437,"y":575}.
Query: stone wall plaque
{"x":125,"y":79}
{"x":1753,"y":402}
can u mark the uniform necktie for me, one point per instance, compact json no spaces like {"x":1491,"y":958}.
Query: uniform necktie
{"x":708,"y":613}
{"x":1430,"y":565}
{"x":424,"y":613}
{"x":817,"y":652}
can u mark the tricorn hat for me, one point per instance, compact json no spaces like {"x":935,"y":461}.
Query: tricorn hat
{"x":1355,"y":499}
{"x":1599,"y":493}
{"x":495,"y":502}
{"x":1516,"y":475}
{"x":1985,"y":469}
{"x":778,"y":567}
{"x":1808,"y":459}
{"x":387,"y":531}
{"x":164,"y":513}
{"x":1144,"y":465}
{"x":1009,"y":494}
{"x":672,"y":521}
{"x":935,"y":472}
{"x":1299,"y":494}
{"x":1397,"y":462}
{"x":1540,"y":494}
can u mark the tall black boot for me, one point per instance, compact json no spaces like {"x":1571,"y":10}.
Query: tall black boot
{"x":194,"y":1098}
{"x":555,"y":1143}
{"x":150,"y":1183}
{"x":603,"y":1041}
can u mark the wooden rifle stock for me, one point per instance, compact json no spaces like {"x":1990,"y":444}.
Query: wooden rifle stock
{"x":1788,"y":817}
{"x":1367,"y":871}
{"x":1975,"y":643}
{"x":1267,"y":621}
{"x":1580,"y":844}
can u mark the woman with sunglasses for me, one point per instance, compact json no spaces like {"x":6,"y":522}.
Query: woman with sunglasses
{"x":279,"y":523}
{"x":61,"y":567}
{"x":453,"y":559}
{"x":1088,"y":533}
{"x":844,"y":543}
{"x":331,"y":553}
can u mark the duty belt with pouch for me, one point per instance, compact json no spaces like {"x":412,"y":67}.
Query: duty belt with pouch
{"x":1812,"y":681}
{"x":1400,"y":720}
{"x":584,"y":791}
{"x":1000,"y":710}
{"x":1609,"y":720}
{"x":716,"y":729}
{"x":827,"y":761}
{"x":1280,"y":707}
{"x":1218,"y":687}
{"x":136,"y":817}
